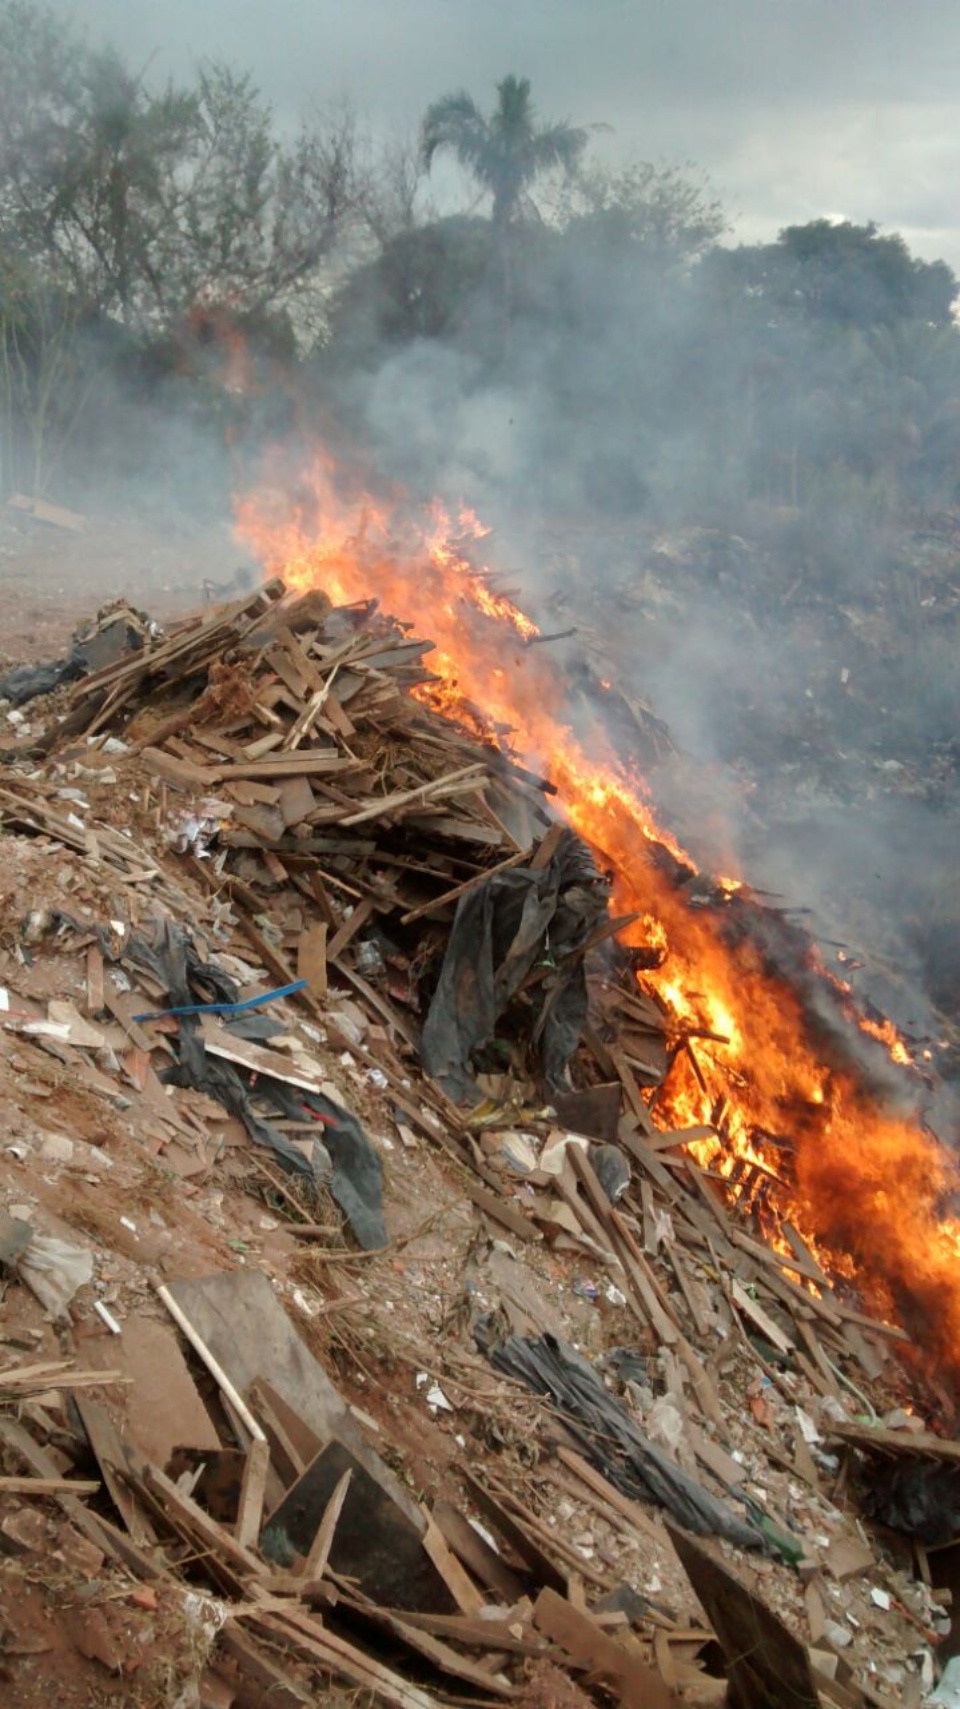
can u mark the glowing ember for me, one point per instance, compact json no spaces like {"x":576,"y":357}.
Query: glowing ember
{"x":871,"y":1187}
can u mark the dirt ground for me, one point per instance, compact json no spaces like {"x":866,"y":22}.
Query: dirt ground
{"x":52,"y":578}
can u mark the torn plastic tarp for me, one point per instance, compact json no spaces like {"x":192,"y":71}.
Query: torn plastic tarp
{"x":343,"y":1159}
{"x":607,"y":1435}
{"x":116,"y":631}
{"x":501,"y":930}
{"x":917,"y":1497}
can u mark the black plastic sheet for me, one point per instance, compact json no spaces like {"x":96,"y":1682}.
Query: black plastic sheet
{"x":501,"y":930}
{"x":342,"y":1157}
{"x":103,"y":641}
{"x":919,"y":1498}
{"x":606,"y":1434}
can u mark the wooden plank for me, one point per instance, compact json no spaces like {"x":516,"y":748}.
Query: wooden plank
{"x":252,"y":1492}
{"x":48,"y":1486}
{"x":185,"y":1515}
{"x":547,"y":847}
{"x":766,"y":1665}
{"x":179,"y":774}
{"x":243,"y":1323}
{"x":748,"y":1307}
{"x":298,"y":1444}
{"x":374,"y":1543}
{"x":105,"y":1443}
{"x":450,"y":896}
{"x":342,"y":1658}
{"x":316,"y":1561}
{"x":593,"y":1652}
{"x":632,"y":1512}
{"x":349,"y":929}
{"x":99,"y":1531}
{"x":273,"y":1686}
{"x":94,"y":980}
{"x":456,"y":782}
{"x":475,"y":1552}
{"x":461,"y":1587}
{"x":435,"y":1651}
{"x":498,"y":1208}
{"x":312,"y":959}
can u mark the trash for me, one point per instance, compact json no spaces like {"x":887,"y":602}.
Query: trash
{"x":344,"y":1158}
{"x":519,"y":1152}
{"x":227,"y":1008}
{"x":15,"y":1237}
{"x":54,"y":1270}
{"x":767,"y":1667}
{"x":611,"y":1169}
{"x":107,"y":1317}
{"x":946,"y":1693}
{"x":501,"y":929}
{"x":116,"y":631}
{"x":608,"y":1437}
{"x":553,"y":1157}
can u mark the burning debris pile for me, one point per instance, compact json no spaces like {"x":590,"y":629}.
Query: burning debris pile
{"x":281,"y":881}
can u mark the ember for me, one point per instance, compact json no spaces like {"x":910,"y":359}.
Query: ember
{"x":867,"y":1186}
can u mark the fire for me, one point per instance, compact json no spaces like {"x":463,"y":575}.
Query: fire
{"x":871,"y":1189}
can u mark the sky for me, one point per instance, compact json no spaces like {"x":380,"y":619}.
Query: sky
{"x":795,"y":108}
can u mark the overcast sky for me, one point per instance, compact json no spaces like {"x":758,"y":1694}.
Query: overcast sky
{"x":796,"y":108}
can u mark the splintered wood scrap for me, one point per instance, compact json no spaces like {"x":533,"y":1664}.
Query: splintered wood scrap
{"x":459,"y":1583}
{"x":24,"y":1380}
{"x":457,"y":782}
{"x":540,"y":1549}
{"x":227,"y":1559}
{"x":311,"y":712}
{"x":315,"y":1564}
{"x":107,"y":1449}
{"x":106,"y":1537}
{"x":271,"y":1683}
{"x":594,"y":1652}
{"x":252,"y":1492}
{"x":423,"y":1642}
{"x":336,"y":1655}
{"x":48,"y":1486}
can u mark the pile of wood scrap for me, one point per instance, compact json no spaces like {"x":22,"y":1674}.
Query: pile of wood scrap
{"x":285,"y":796}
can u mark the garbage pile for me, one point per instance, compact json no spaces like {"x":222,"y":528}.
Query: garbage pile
{"x":323,"y":962}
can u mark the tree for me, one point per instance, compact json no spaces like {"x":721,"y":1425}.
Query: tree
{"x":507,"y":152}
{"x":845,"y":274}
{"x":143,"y":201}
{"x":661,"y":215}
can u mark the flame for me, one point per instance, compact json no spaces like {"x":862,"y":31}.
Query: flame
{"x":868,"y":1188}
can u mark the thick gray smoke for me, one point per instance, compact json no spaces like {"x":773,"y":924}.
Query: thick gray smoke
{"x":732,"y":470}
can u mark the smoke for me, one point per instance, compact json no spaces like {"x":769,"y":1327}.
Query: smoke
{"x":797,"y":650}
{"x":729,"y":498}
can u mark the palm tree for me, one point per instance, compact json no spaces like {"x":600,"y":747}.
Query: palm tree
{"x":506,"y":152}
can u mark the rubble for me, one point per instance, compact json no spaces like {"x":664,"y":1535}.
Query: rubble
{"x":229,"y":954}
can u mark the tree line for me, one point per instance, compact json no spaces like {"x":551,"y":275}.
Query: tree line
{"x":169,"y":247}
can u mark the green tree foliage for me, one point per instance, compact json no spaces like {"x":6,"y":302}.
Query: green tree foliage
{"x":845,"y":274}
{"x":142,"y":200}
{"x":421,"y":285}
{"x":662,"y":214}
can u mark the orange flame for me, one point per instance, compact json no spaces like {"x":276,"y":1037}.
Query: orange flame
{"x":869,"y":1186}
